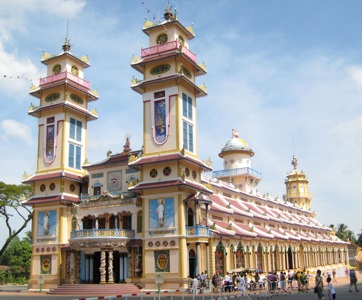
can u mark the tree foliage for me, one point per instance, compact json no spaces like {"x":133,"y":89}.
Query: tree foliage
{"x":11,"y":203}
{"x":17,"y":258}
{"x":344,"y":233}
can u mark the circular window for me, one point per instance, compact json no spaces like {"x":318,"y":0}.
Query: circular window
{"x":42,"y":188}
{"x":75,"y":70}
{"x":52,"y":186}
{"x":187,"y":172}
{"x":167,"y":171}
{"x":194,"y":174}
{"x":153,"y":173}
{"x":72,"y":187}
{"x":162,"y":38}
{"x":57,"y":69}
{"x":158,"y":244}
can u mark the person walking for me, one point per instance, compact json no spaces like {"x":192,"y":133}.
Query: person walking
{"x":319,"y":285}
{"x":353,"y":280}
{"x":334,"y":275}
{"x":331,"y":291}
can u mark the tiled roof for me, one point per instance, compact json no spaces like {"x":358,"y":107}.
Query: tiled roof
{"x":51,"y":199}
{"x":169,"y":157}
{"x":37,"y":177}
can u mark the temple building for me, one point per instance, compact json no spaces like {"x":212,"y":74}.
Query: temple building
{"x":159,"y":210}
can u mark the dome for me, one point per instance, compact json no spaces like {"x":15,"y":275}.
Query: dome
{"x":236,"y":144}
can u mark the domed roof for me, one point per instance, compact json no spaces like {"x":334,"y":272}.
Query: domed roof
{"x":236,"y":144}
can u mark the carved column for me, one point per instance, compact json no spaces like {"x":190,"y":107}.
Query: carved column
{"x":102,"y":268}
{"x":72,"y":268}
{"x":110,"y":266}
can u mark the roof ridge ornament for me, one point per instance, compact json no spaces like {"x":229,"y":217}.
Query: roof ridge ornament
{"x":295,"y":162}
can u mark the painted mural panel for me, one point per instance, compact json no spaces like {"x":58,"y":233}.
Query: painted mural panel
{"x":162,"y":261}
{"x":160,"y":120}
{"x":162,"y":213}
{"x":45,"y":264}
{"x":114,"y":182}
{"x":47,"y":221}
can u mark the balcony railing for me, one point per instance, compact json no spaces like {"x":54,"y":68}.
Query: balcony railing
{"x":238,"y":171}
{"x":160,"y":48}
{"x":63,"y":76}
{"x":197,"y":231}
{"x":102,"y":233}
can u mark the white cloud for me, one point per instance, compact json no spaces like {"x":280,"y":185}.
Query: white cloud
{"x":11,"y":129}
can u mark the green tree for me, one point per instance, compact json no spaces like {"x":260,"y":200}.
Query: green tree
{"x":345,"y":234}
{"x":17,"y":257}
{"x":11,"y":202}
{"x":359,"y":239}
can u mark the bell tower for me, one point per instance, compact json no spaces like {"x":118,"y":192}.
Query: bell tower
{"x":62,"y":116}
{"x":169,"y":165}
{"x":297,"y":187}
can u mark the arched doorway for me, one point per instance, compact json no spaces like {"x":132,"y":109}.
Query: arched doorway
{"x":290,"y":259}
{"x":192,"y":263}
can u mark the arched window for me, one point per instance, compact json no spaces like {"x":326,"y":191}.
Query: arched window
{"x":97,"y":188}
{"x":190,"y":217}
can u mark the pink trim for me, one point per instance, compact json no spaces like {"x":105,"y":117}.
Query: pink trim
{"x":160,"y":48}
{"x":64,"y":75}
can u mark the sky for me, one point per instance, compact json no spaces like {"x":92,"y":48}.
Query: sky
{"x":286,"y":74}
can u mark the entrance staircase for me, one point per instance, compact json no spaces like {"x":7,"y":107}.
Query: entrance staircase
{"x":96,"y":289}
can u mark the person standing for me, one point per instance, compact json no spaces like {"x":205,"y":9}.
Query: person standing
{"x":319,"y":284}
{"x":241,"y":281}
{"x":334,"y":275}
{"x":353,"y":280}
{"x":282,"y":281}
{"x":331,"y":291}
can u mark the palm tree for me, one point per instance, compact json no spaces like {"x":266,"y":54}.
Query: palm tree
{"x":345,"y":234}
{"x":359,"y":239}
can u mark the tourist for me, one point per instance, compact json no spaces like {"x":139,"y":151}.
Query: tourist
{"x":319,"y":285}
{"x":334,"y":275}
{"x":352,"y":280}
{"x":331,"y":291}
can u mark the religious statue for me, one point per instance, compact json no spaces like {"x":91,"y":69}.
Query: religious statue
{"x":160,"y":211}
{"x":235,"y":133}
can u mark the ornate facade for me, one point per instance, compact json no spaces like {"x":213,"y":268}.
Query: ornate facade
{"x":160,"y":210}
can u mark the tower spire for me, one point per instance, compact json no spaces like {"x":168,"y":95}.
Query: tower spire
{"x":66,"y":45}
{"x":295,"y":162}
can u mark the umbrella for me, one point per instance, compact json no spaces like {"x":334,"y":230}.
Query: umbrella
{"x":238,"y":270}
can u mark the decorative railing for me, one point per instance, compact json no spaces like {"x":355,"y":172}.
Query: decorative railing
{"x":197,"y":231}
{"x":85,"y":198}
{"x":160,"y":48}
{"x":246,"y":170}
{"x":63,"y":76}
{"x":102,"y":233}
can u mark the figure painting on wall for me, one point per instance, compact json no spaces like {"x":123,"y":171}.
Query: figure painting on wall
{"x":162,"y":212}
{"x":46,"y":223}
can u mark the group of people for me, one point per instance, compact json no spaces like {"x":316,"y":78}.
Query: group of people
{"x":319,"y":284}
{"x":199,"y":282}
{"x":236,"y":282}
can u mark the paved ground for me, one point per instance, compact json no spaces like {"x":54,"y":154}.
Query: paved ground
{"x":341,"y":287}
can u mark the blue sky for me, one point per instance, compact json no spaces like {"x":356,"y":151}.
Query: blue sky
{"x":286,"y":74}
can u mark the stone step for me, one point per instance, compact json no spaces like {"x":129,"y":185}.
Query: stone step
{"x":96,"y":289}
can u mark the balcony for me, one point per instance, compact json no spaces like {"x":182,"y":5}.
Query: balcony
{"x":161,"y":48}
{"x":197,"y":231}
{"x":64,"y":76}
{"x":102,"y":233}
{"x":238,"y":171}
